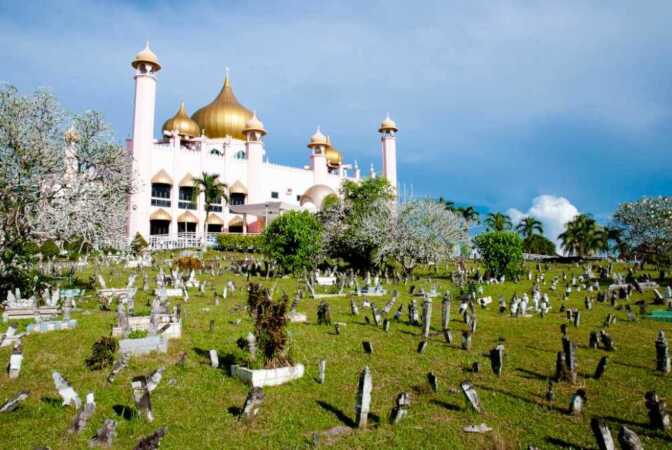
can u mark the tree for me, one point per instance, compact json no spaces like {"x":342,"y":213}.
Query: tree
{"x":356,"y":227}
{"x":471,"y":215}
{"x":214,"y":191}
{"x":61,"y":177}
{"x":138,"y":244}
{"x":294,"y":241}
{"x":538,"y":244}
{"x":647,"y":228}
{"x":422,"y":231}
{"x":582,"y":237}
{"x":498,"y":222}
{"x":501,"y":252}
{"x":528,"y":226}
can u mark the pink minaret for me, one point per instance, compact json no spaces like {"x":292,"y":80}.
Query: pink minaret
{"x":254,"y":148}
{"x":388,"y":130}
{"x":146,"y":65}
{"x":318,"y":159}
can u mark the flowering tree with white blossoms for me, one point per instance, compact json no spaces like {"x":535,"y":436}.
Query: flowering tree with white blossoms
{"x":647,"y":227}
{"x":422,"y":231}
{"x":61,"y":178}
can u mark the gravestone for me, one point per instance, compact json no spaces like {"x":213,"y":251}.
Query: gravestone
{"x":471,"y":396}
{"x":84,"y":414}
{"x":153,"y":441}
{"x":448,"y":336}
{"x":433,"y":381}
{"x":658,"y":416}
{"x":426,"y":316}
{"x":577,"y":402}
{"x":445,"y":312}
{"x":368,"y":347}
{"x":602,"y":434}
{"x":601,"y":367}
{"x":323,"y":314}
{"x":120,"y":364}
{"x":400,"y":409}
{"x":466,"y":340}
{"x":252,"y":404}
{"x":141,"y":396}
{"x":497,"y":359}
{"x":105,"y":435}
{"x":14,"y":402}
{"x":422,"y":346}
{"x":569,"y":352}
{"x":550,"y":395}
{"x":629,"y":439}
{"x":363,"y":404}
{"x":66,"y":391}
{"x":662,"y":353}
{"x":322,"y":369}
{"x":15,"y":360}
{"x":214,"y":359}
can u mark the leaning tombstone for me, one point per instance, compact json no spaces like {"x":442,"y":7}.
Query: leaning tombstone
{"x":14,"y":402}
{"x":105,"y":435}
{"x":601,"y":367}
{"x":400,"y":410}
{"x":141,"y":396}
{"x":629,"y":439}
{"x":363,"y":404}
{"x":433,"y":381}
{"x":602,"y":434}
{"x":252,"y":404}
{"x":66,"y":391}
{"x":422,"y":346}
{"x":368,"y":347}
{"x":471,"y":395}
{"x":120,"y":364}
{"x":466,"y":340}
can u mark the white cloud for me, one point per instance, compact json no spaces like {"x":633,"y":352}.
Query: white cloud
{"x":553,"y":212}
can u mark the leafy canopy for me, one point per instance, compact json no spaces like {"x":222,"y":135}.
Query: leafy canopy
{"x":294,"y":240}
{"x":502,"y":252}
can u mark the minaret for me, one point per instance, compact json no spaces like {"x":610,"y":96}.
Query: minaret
{"x":146,"y":64}
{"x":254,"y":149}
{"x":388,"y":130}
{"x":318,"y":158}
{"x":71,"y":138}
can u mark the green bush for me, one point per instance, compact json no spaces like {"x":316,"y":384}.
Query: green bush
{"x":30,"y":248}
{"x":244,"y":243}
{"x":538,"y":245}
{"x":501,"y":252}
{"x":49,"y":249}
{"x":294,"y":240}
{"x":76,"y":245}
{"x":102,"y":353}
{"x":138,"y":244}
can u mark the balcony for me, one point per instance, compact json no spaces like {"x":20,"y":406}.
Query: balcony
{"x":161,"y":202}
{"x":185,"y":204}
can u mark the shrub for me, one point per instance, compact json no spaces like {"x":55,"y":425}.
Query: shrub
{"x":188,"y":263}
{"x":138,"y":244}
{"x":102,"y":353}
{"x":137,"y":334}
{"x":538,"y":245}
{"x":243,"y":243}
{"x":49,"y":249}
{"x":502,"y":252}
{"x":294,"y":240}
{"x":30,"y":248}
{"x":270,"y":326}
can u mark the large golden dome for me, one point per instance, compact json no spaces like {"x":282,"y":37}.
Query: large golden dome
{"x":334,"y":158}
{"x":182,"y":123}
{"x":224,"y":116}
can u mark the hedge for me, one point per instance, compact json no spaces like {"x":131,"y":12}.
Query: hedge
{"x":245,"y":243}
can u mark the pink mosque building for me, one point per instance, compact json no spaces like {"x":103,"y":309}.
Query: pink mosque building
{"x":223,"y":138}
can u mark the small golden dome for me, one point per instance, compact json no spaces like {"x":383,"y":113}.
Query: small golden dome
{"x":388,"y":125}
{"x":254,"y":124}
{"x":224,"y":116}
{"x":146,"y":55}
{"x":334,"y":157}
{"x":317,"y":139}
{"x":182,"y":123}
{"x":71,"y":136}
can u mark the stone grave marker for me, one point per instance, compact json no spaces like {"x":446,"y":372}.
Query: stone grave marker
{"x":363,"y":401}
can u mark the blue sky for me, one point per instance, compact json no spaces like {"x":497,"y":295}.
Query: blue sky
{"x":498,"y":102}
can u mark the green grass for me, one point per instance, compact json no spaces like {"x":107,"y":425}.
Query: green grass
{"x":199,"y":408}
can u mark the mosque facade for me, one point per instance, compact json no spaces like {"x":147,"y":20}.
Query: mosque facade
{"x":227,"y":139}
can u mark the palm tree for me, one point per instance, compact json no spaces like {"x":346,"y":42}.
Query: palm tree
{"x":528,"y":226}
{"x":498,"y":222}
{"x":470,"y":214}
{"x":583,"y":236}
{"x":214,"y":191}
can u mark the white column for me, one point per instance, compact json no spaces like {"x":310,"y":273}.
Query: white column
{"x":255,"y":166}
{"x":318,"y":163}
{"x":142,"y":146}
{"x":389,"y":150}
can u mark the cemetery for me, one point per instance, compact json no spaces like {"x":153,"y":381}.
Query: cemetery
{"x":561,"y":358}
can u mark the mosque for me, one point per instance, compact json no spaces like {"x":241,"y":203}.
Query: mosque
{"x":227,"y":139}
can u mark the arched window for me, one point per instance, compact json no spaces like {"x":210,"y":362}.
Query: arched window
{"x":240,"y":155}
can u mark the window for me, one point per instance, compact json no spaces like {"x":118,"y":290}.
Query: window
{"x":274,"y":194}
{"x":216,"y":152}
{"x":237,"y":198}
{"x":186,"y":198}
{"x":186,"y":227}
{"x":240,"y":155}
{"x":160,"y":194}
{"x":298,"y":198}
{"x":216,"y":205}
{"x":158,"y":227}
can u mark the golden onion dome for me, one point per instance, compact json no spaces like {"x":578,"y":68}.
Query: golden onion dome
{"x":317,"y":139}
{"x":388,"y":125}
{"x":182,"y":123}
{"x":334,"y":157}
{"x":146,"y":55}
{"x":224,"y":116}
{"x":254,"y":124}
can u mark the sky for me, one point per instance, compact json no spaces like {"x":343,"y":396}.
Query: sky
{"x":526,"y":107}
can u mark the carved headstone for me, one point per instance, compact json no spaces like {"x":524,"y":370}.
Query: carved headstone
{"x":400,"y":410}
{"x":363,"y":404}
